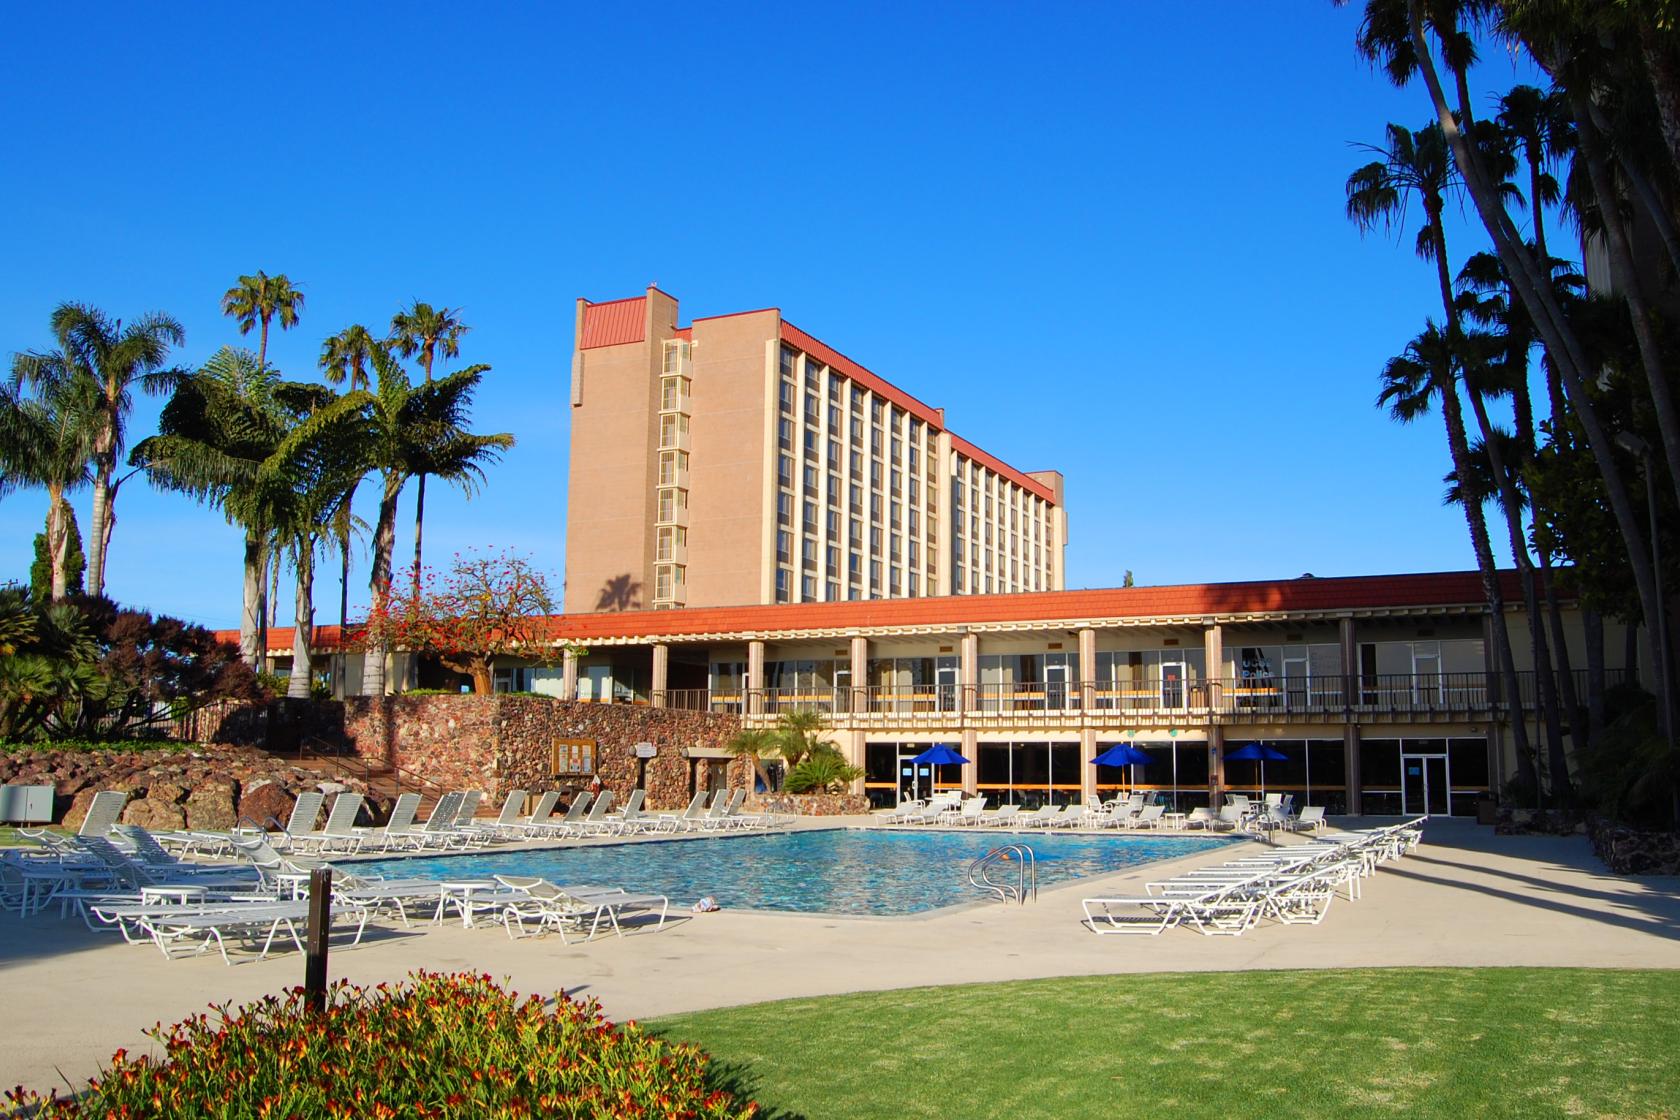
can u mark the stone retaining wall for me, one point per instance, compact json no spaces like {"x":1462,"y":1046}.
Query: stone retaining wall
{"x":208,"y":788}
{"x":498,"y":743}
{"x":1631,"y":851}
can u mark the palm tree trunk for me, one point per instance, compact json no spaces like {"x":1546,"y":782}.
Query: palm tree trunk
{"x":58,"y":543}
{"x":379,"y":584}
{"x":1593,"y":624}
{"x":262,"y":346}
{"x":419,"y":528}
{"x":1562,"y":345}
{"x":303,"y":624}
{"x":274,"y":586}
{"x":99,"y":532}
{"x":1626,"y":280}
{"x":343,"y":586}
{"x":1665,"y":83}
{"x":251,"y":610}
{"x":262,"y":604}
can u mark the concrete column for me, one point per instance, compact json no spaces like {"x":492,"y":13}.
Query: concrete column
{"x":1350,"y":664}
{"x":1216,"y":766}
{"x":1213,"y":649}
{"x":970,"y":670}
{"x":1087,"y":772}
{"x":859,"y":700}
{"x":1087,"y":670}
{"x":568,"y":674}
{"x":971,"y":772}
{"x":1350,"y":757}
{"x":661,"y":674}
{"x":755,"y":678}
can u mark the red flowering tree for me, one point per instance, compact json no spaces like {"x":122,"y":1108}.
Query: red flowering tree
{"x":487,"y":605}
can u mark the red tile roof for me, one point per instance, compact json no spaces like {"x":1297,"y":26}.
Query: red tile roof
{"x":1298,"y":597}
{"x":613,"y":323}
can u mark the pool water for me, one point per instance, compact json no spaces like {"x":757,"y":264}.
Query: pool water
{"x":829,"y":871}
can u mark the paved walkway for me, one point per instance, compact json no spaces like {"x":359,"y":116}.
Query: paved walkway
{"x":1465,"y":897}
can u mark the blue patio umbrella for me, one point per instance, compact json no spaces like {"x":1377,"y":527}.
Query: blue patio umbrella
{"x":1122,"y":754}
{"x":937,"y":755}
{"x":1258,"y":752}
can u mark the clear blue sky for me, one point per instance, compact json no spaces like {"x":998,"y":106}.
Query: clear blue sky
{"x":1109,"y":239}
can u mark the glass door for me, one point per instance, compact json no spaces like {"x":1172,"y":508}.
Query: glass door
{"x":914,"y":781}
{"x":1172,"y":684}
{"x":1055,"y":684}
{"x":843,"y":689}
{"x":1424,"y":786}
{"x":945,"y":678}
{"x":1426,"y":674}
{"x":1297,"y":682}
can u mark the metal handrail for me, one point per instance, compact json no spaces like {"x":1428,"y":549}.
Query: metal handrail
{"x":1026,"y":873}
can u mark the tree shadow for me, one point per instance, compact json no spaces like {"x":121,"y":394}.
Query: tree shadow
{"x":739,"y":1081}
{"x":620,"y":593}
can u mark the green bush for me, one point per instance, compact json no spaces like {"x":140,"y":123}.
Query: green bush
{"x":135,"y":744}
{"x":822,"y":771}
{"x":438,"y":1045}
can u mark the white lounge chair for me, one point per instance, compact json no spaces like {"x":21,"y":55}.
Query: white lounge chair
{"x":339,"y":833}
{"x":1309,"y":819}
{"x":1006,"y":816}
{"x":672,"y":822}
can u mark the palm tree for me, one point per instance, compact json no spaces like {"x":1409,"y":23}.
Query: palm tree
{"x":430,"y":332}
{"x":1402,"y":36}
{"x":260,"y":299}
{"x":1419,"y":164}
{"x":110,"y":359}
{"x":220,"y":427}
{"x":755,"y":745}
{"x":344,"y":356}
{"x":1425,"y":373}
{"x":45,"y":441}
{"x":412,"y":430}
{"x":801,"y":733}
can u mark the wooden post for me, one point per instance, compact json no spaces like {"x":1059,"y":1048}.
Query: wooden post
{"x":315,"y":939}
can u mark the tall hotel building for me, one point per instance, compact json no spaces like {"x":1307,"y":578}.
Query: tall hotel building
{"x":741,"y":461}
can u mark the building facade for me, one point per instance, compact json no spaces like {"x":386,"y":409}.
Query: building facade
{"x":1378,"y":692}
{"x":739,"y":460}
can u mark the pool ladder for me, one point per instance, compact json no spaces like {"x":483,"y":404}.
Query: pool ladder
{"x":1026,"y":873}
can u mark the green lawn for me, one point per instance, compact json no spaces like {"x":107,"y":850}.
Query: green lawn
{"x":1393,"y":1042}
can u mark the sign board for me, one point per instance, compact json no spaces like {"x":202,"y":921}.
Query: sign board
{"x":574,"y":756}
{"x":646,"y":750}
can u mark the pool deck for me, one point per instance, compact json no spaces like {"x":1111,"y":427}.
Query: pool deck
{"x":1465,"y":898}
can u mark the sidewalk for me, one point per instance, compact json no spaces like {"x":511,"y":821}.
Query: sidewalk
{"x":1465,"y":897}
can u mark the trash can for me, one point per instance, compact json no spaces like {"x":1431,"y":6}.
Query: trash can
{"x":1487,"y":810}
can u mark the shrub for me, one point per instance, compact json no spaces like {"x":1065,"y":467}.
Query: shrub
{"x":822,"y":771}
{"x":437,"y":1045}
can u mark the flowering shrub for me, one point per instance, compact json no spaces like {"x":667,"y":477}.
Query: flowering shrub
{"x":438,"y":1045}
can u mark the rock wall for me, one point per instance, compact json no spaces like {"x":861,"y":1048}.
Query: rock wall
{"x":499,"y":743}
{"x":809,"y":804}
{"x":210,"y":788}
{"x":1632,"y":851}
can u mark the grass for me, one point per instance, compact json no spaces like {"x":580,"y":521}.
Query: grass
{"x":11,"y":838}
{"x":1348,"y":1043}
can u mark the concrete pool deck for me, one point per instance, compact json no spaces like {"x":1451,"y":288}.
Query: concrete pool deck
{"x":1465,"y":898}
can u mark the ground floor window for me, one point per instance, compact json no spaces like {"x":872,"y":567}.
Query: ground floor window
{"x":1028,"y":774}
{"x":1442,"y":777}
{"x":1177,"y":774}
{"x":1314,"y":770}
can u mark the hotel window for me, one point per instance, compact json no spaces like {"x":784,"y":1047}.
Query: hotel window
{"x":671,"y":429}
{"x":810,"y":554}
{"x":784,"y":433}
{"x":810,"y":443}
{"x":833,"y":592}
{"x":662,"y":581}
{"x":833,"y":419}
{"x":789,"y":354}
{"x":915,"y":556}
{"x":784,"y":584}
{"x":808,"y":588}
{"x":834,"y":523}
{"x":671,"y":503}
{"x":897,"y":511}
{"x":857,"y":533}
{"x":784,"y":546}
{"x":786,"y":398}
{"x":875,"y":508}
{"x":875,"y":574}
{"x":857,"y":431}
{"x":670,"y":539}
{"x":875,"y":540}
{"x":894,"y":574}
{"x":834,"y":490}
{"x":810,"y":517}
{"x":833,"y":561}
{"x":875,"y":412}
{"x":897,"y":545}
{"x":915,"y":519}
{"x":915,"y":490}
{"x":836,"y":386}
{"x":673,"y":393}
{"x":813,"y":411}
{"x":784,"y":509}
{"x":785,"y":471}
{"x":915,"y":585}
{"x":897,"y":446}
{"x":897,"y":480}
{"x":915,"y":455}
{"x":854,"y":565}
{"x":857,"y":464}
{"x":810,"y":478}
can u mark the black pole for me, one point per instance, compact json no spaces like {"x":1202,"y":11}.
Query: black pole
{"x":315,"y":940}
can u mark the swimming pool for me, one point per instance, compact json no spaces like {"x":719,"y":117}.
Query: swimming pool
{"x":861,"y":872}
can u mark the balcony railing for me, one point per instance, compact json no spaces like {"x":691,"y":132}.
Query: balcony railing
{"x":1230,"y":700}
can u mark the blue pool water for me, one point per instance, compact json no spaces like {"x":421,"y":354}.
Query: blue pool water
{"x":832,"y":871}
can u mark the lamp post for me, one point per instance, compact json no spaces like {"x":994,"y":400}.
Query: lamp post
{"x":1659,"y":631}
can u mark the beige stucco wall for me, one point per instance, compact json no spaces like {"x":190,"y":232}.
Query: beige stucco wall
{"x":729,"y":460}
{"x":610,"y":484}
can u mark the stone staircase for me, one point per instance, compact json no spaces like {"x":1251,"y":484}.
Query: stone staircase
{"x":384,"y":783}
